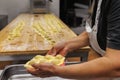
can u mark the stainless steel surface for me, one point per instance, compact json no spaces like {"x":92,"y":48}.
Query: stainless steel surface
{"x":12,"y":70}
{"x":18,"y":72}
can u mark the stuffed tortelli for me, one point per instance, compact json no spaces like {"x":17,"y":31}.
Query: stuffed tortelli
{"x":39,"y":59}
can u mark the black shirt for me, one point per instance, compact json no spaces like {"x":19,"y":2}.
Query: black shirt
{"x":109,"y":24}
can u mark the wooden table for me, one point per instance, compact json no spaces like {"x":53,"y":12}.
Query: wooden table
{"x":31,"y":34}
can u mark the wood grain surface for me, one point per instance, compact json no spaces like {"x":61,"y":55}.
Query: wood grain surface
{"x":33,"y":33}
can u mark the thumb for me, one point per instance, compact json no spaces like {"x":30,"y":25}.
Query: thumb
{"x":64,"y":52}
{"x":52,"y":51}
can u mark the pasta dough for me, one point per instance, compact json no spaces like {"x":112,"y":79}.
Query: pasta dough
{"x":56,"y":60}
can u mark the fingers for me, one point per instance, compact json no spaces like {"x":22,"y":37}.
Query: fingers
{"x":39,"y":73}
{"x":57,"y":48}
{"x":42,"y":70}
{"x":64,"y":52}
{"x":44,"y":67}
{"x":33,"y":71}
{"x":52,"y":51}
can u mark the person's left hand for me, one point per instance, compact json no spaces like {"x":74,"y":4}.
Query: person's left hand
{"x":43,"y":70}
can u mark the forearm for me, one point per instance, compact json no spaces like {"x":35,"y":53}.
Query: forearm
{"x":80,"y":41}
{"x":101,"y":67}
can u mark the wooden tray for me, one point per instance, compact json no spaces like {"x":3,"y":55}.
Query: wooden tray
{"x":33,"y":33}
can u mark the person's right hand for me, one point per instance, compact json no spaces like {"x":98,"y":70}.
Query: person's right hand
{"x":59,"y":48}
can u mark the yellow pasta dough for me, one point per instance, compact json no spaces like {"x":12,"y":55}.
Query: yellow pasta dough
{"x":56,"y":60}
{"x":16,"y":32}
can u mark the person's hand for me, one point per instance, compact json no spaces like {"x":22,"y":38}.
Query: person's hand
{"x":59,"y":48}
{"x":43,"y":70}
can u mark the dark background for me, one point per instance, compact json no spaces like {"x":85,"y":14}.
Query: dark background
{"x":67,"y":13}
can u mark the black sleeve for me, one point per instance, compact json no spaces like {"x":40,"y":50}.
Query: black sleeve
{"x":113,"y":27}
